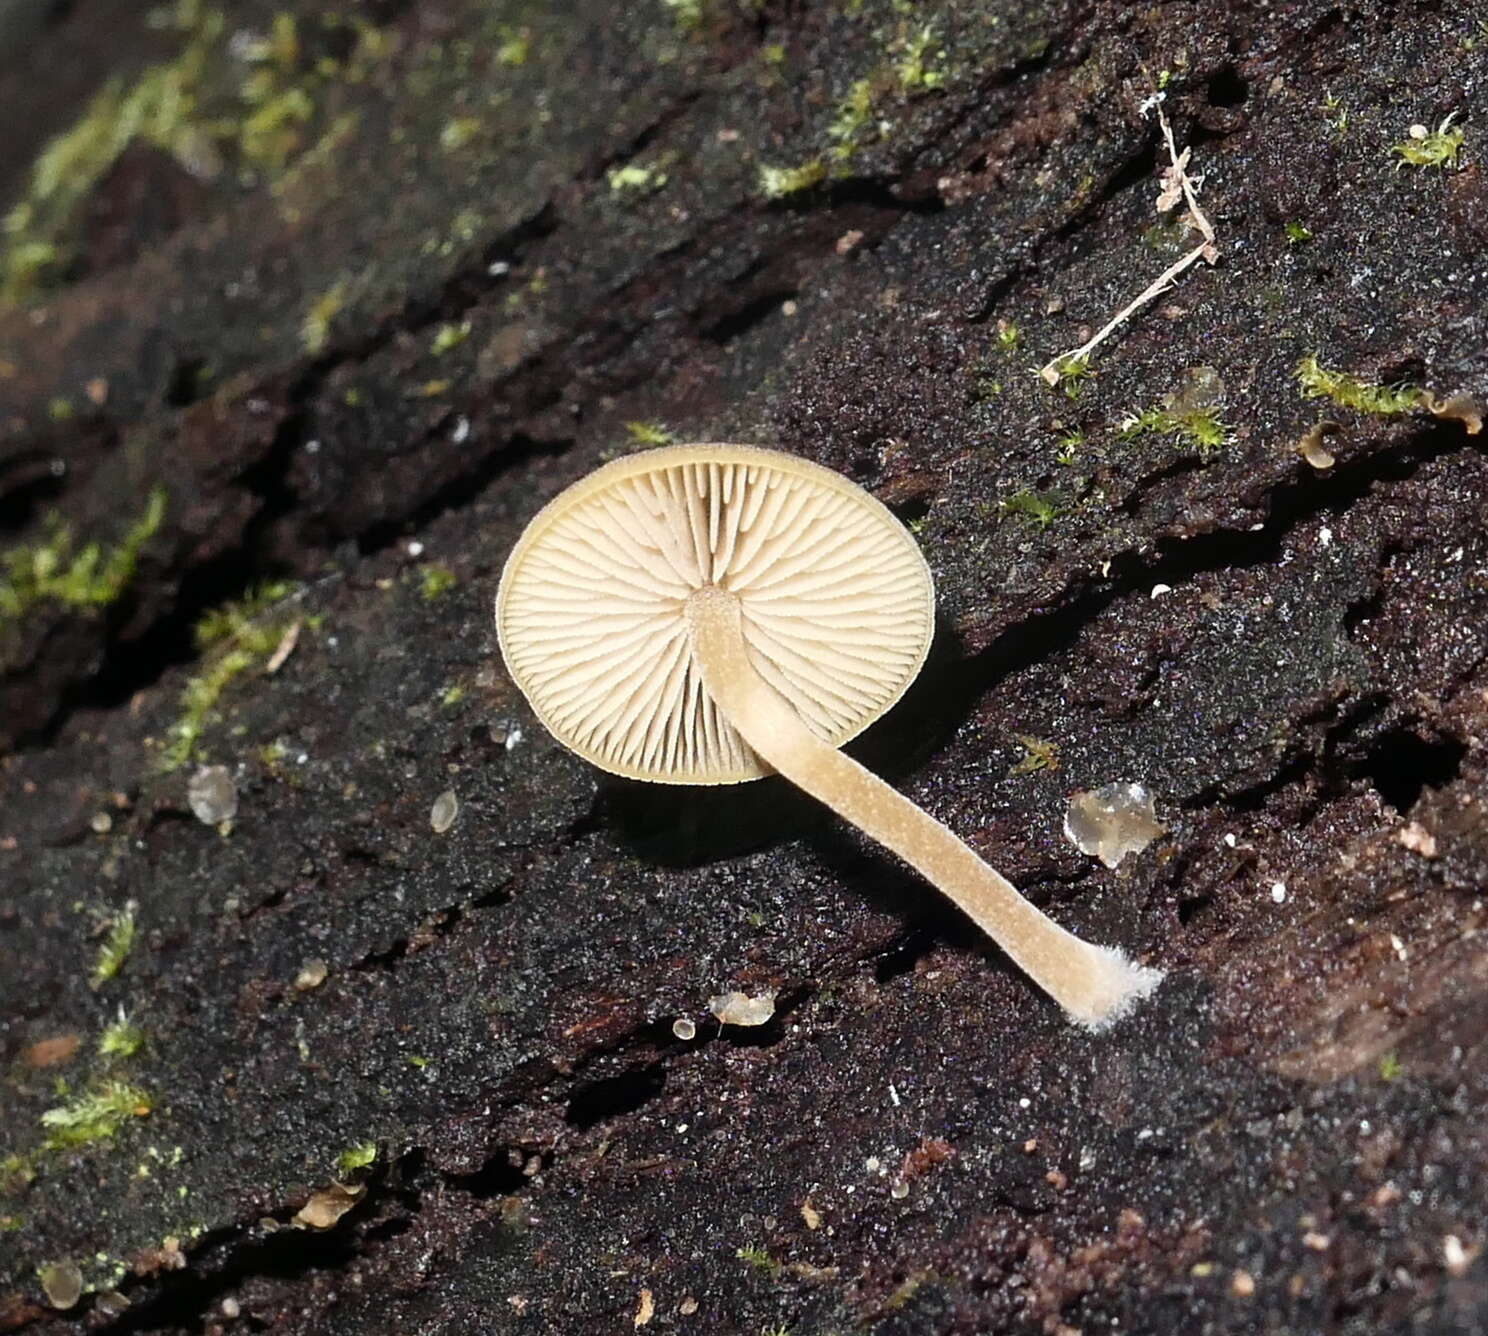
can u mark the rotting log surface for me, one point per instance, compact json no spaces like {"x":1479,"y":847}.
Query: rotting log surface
{"x":430,"y":307}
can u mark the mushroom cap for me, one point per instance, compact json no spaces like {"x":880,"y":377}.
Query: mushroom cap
{"x":837,"y":606}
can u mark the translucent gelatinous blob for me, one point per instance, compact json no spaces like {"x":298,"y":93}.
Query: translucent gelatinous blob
{"x":212,"y":794}
{"x":446,"y":808}
{"x":1112,"y":821}
{"x":741,"y":1009}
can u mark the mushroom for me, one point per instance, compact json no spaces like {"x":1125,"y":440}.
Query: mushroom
{"x":704,"y":614}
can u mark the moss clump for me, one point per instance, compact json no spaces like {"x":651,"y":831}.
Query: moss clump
{"x":1038,"y":754}
{"x":917,"y":69}
{"x":201,"y":108}
{"x":687,"y":15}
{"x":782,"y":182}
{"x":635,"y":180}
{"x":909,"y":64}
{"x":273,"y":132}
{"x":458,"y":132}
{"x":154,"y":109}
{"x":854,"y":117}
{"x":1070,"y":444}
{"x":1201,"y":427}
{"x":758,"y":1258}
{"x":315,"y":328}
{"x":121,"y":1038}
{"x":118,"y":942}
{"x":436,"y":581}
{"x":235,"y":639}
{"x":50,"y":571}
{"x":17,"y":1173}
{"x":1068,"y":375}
{"x":356,"y":1157}
{"x":1319,"y":382}
{"x":515,"y":47}
{"x":95,"y":1115}
{"x":449,"y":337}
{"x":649,"y":433}
{"x":983,"y":381}
{"x":1430,"y":148}
{"x":1037,"y":508}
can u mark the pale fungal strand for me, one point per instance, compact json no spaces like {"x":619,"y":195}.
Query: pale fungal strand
{"x":836,"y":603}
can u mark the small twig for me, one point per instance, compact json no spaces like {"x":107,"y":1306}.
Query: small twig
{"x":1160,"y":284}
{"x":1180,"y":172}
{"x":1176,"y":181}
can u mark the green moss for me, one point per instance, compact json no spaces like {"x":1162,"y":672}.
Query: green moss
{"x":853,"y":119}
{"x":121,"y":1038}
{"x":1296,"y":233}
{"x":199,"y":108}
{"x":152,"y":109}
{"x":17,"y":1173}
{"x":983,"y":380}
{"x":1319,"y":382}
{"x":453,"y":695}
{"x":118,"y":942}
{"x":514,"y":47}
{"x":1038,"y":754}
{"x":1201,"y":427}
{"x":356,"y":1157}
{"x":687,"y":15}
{"x":634,"y":179}
{"x":1430,"y":148}
{"x":649,"y":433}
{"x":782,"y":182}
{"x":240,"y":621}
{"x":449,"y":337}
{"x":436,"y":581}
{"x":96,"y":1115}
{"x":271,"y":755}
{"x":758,"y":1258}
{"x":274,"y":131}
{"x":51,"y":571}
{"x":315,"y":328}
{"x":917,"y":70}
{"x":414,"y":1060}
{"x":1037,"y":508}
{"x":235,"y":639}
{"x":459,"y":131}
{"x":1070,"y":375}
{"x":1335,"y":112}
{"x":1390,"y":1067}
{"x":1069,"y":444}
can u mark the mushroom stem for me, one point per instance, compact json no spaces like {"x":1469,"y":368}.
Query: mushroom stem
{"x":1095,"y":985}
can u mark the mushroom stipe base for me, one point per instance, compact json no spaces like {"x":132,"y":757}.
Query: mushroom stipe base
{"x":1096,"y":985}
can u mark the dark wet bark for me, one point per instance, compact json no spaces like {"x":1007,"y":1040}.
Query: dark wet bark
{"x":364,"y":359}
